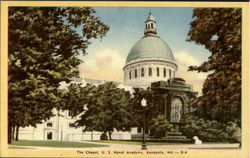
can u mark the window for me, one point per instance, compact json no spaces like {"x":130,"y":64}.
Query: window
{"x":130,"y":75}
{"x":158,"y":71}
{"x":176,"y":110}
{"x":49,"y":124}
{"x":152,"y":26}
{"x":150,"y":71}
{"x":71,"y":125}
{"x":142,"y":72}
{"x":164,"y":72}
{"x":169,"y":74}
{"x":71,"y":114}
{"x":135,"y":73}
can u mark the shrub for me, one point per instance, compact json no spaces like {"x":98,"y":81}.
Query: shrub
{"x":234,"y":132}
{"x":210,"y":130}
{"x":190,"y":127}
{"x":159,"y":126}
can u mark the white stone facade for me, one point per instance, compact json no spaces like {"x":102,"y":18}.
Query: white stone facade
{"x":60,"y":127}
{"x":142,"y":72}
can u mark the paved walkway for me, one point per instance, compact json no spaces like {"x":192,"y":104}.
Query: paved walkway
{"x":162,"y":147}
{"x":136,"y":147}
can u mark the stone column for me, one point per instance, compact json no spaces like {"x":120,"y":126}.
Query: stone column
{"x":169,"y":100}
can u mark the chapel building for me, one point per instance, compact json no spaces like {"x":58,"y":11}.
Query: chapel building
{"x":150,"y":63}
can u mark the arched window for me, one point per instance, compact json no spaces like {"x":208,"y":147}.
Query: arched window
{"x":135,"y":73}
{"x":152,"y":26}
{"x":130,"y":75}
{"x":164,"y":72}
{"x":150,"y":71}
{"x":169,"y":74}
{"x":158,"y":71}
{"x":142,"y":72}
{"x":176,"y":110}
{"x":146,"y":26}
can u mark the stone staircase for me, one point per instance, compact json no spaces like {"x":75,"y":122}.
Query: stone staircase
{"x":171,"y":137}
{"x":174,"y":135}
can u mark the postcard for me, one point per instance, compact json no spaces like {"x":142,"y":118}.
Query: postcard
{"x":124,"y":79}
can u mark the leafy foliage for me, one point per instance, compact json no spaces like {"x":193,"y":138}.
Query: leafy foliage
{"x":77,"y":96}
{"x":106,"y":109}
{"x":159,"y":126}
{"x":152,"y":109}
{"x":43,"y":47}
{"x":210,"y":130}
{"x":234,"y":132}
{"x":219,"y":30}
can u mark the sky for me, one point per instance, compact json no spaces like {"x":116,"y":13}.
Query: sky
{"x":106,"y":57}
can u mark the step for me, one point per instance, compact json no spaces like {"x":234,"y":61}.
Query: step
{"x":174,"y":134}
{"x":175,"y":137}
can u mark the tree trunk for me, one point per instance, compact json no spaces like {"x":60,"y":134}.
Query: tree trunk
{"x":17,"y":132}
{"x":9,"y":133}
{"x":13,"y":132}
{"x":110,"y":135}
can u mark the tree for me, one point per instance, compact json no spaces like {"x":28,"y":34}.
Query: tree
{"x":152,"y":110}
{"x":76,"y":97}
{"x":106,"y":109}
{"x":43,"y":49}
{"x":219,"y":30}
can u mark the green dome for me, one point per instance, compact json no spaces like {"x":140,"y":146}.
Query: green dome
{"x":150,"y":47}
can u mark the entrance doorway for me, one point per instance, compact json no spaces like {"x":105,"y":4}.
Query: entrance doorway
{"x":49,"y":135}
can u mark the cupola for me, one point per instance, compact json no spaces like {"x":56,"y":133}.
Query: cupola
{"x":150,"y":26}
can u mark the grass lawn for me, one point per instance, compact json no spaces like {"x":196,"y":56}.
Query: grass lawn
{"x":152,"y":143}
{"x":136,"y":142}
{"x":60,"y":144}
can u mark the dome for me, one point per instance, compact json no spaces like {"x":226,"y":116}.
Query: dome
{"x":150,"y":47}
